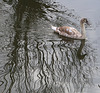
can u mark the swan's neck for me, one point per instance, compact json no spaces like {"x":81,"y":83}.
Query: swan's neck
{"x":83,"y":30}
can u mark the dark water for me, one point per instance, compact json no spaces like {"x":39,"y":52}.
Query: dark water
{"x":33,"y":59}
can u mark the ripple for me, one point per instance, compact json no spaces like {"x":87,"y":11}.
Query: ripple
{"x":39,"y":60}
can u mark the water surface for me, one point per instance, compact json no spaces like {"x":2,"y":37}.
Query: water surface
{"x":34,"y":59}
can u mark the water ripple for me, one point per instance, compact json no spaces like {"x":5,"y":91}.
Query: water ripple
{"x":38,"y":60}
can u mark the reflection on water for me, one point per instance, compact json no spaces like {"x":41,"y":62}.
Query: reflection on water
{"x":40,"y":61}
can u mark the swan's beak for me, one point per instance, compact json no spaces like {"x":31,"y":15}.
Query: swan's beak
{"x":88,"y":23}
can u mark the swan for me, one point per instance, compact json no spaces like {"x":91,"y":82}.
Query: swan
{"x":71,"y":32}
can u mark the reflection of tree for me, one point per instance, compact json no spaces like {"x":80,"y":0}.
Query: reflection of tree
{"x":48,"y":67}
{"x":41,"y":65}
{"x":59,"y":68}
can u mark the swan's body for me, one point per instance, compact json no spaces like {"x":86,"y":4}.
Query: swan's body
{"x":72,"y":32}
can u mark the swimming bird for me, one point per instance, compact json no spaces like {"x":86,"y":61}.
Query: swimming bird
{"x":71,"y":32}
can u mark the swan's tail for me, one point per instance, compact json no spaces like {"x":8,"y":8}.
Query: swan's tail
{"x":54,"y":28}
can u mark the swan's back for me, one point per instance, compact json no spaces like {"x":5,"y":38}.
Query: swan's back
{"x":68,"y":32}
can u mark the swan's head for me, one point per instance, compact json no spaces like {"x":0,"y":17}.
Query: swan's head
{"x":84,"y":20}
